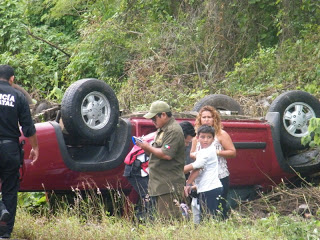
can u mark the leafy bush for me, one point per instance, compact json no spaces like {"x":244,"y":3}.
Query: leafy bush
{"x":102,"y":53}
{"x":199,"y":41}
{"x":34,"y":202}
{"x":313,"y":138}
{"x":293,"y":65}
{"x":11,"y":31}
{"x":154,"y":87}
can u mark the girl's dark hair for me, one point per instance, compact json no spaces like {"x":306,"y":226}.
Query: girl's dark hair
{"x":206,"y":129}
{"x":187,"y":129}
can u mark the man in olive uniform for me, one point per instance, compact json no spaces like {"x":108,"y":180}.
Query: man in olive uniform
{"x":167,"y":158}
{"x":14,"y":111}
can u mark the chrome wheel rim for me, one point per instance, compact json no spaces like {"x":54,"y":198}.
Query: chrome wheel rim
{"x":296,"y":118}
{"x":95,"y":110}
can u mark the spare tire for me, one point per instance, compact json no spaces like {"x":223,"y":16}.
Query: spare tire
{"x":219,"y":102}
{"x":25,"y":93}
{"x":296,"y":108}
{"x":90,"y":109}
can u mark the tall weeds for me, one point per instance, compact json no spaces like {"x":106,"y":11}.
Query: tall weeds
{"x":88,"y":219}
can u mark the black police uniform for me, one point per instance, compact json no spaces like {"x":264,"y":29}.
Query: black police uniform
{"x":14,"y":110}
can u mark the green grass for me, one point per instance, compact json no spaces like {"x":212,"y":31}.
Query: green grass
{"x":272,"y":216}
{"x":67,"y":225}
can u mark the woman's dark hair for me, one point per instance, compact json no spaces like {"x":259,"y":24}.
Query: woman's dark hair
{"x":6,"y":72}
{"x":206,"y":129}
{"x":187,"y":129}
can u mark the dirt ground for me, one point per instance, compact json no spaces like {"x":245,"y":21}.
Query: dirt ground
{"x":303,"y":200}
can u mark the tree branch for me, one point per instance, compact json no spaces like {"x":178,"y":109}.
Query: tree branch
{"x":47,"y":42}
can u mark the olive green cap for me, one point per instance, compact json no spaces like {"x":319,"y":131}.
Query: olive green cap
{"x":157,"y":107}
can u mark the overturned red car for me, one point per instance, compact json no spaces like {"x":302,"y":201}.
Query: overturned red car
{"x":94,"y":139}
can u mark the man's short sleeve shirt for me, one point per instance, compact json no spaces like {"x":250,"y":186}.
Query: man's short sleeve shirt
{"x":14,"y":111}
{"x":166,"y":176}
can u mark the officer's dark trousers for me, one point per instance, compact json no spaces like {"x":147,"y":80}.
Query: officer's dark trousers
{"x":9,"y":175}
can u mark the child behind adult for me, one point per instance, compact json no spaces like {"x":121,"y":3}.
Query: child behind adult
{"x":205,"y":172}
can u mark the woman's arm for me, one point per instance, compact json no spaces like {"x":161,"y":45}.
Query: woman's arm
{"x":229,"y":151}
{"x":193,"y":148}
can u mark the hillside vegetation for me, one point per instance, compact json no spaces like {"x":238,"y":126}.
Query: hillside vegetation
{"x":174,"y":50}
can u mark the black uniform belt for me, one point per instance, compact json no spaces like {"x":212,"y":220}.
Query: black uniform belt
{"x":6,"y":141}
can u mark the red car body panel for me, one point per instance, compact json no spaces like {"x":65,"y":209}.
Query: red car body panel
{"x":256,"y":162}
{"x":51,"y":173}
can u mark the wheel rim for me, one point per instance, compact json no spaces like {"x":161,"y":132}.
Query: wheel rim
{"x":95,"y":110}
{"x":296,"y":118}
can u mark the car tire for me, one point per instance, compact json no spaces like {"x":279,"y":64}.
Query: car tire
{"x":44,"y":105}
{"x":90,"y":109}
{"x":25,"y":93}
{"x":219,"y":102}
{"x":296,"y":108}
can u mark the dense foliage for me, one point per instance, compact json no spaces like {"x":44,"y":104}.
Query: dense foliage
{"x":313,"y":138}
{"x":176,"y":50}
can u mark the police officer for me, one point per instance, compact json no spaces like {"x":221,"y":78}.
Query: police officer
{"x":140,"y":179}
{"x":14,"y":111}
{"x":167,"y":157}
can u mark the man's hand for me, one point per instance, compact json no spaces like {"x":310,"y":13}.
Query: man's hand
{"x":34,"y":154}
{"x":150,"y":149}
{"x":142,"y":144}
{"x":187,"y":190}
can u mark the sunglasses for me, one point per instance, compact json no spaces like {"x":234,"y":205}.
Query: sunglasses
{"x":155,"y":117}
